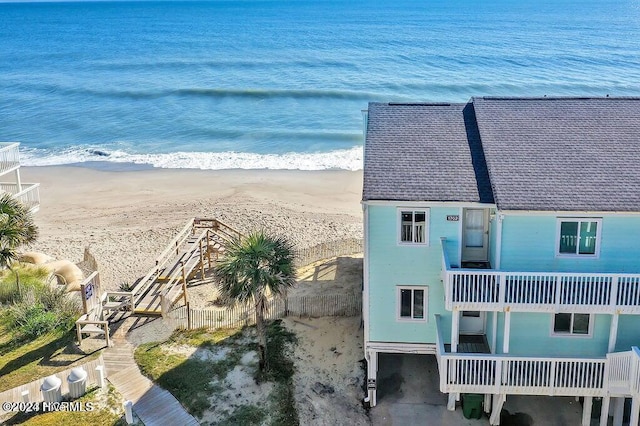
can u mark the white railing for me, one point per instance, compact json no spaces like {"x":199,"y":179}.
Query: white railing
{"x":489,"y":290}
{"x":9,"y":156}
{"x":27,"y":193}
{"x":618,"y":373}
{"x":472,"y":373}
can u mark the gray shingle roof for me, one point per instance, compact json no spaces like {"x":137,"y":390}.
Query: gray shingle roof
{"x":565,"y":154}
{"x":556,"y":154}
{"x":423,"y":152}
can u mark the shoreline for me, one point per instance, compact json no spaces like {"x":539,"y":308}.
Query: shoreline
{"x":126,"y":218}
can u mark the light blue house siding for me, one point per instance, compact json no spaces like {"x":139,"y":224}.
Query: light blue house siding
{"x":392,"y":265}
{"x":628,"y":332}
{"x":531,"y":335}
{"x":529,"y":244}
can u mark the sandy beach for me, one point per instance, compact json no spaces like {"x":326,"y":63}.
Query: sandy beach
{"x":128,"y":217}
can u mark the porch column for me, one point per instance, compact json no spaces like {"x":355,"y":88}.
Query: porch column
{"x":635,"y":411}
{"x":586,"y":410}
{"x":494,"y":337}
{"x":613,"y":332}
{"x":507,"y":331}
{"x":372,"y":372}
{"x":618,"y":411}
{"x":455,"y":329}
{"x":604,"y":412}
{"x":18,"y":181}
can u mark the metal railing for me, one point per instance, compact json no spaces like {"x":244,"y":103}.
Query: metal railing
{"x":491,"y":290}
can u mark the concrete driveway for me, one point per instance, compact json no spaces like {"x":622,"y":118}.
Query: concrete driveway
{"x":408,"y":394}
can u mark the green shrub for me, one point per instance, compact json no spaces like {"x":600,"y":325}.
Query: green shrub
{"x":34,"y":278}
{"x":43,"y":311}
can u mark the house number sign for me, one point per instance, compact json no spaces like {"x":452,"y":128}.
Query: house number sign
{"x":453,"y":218}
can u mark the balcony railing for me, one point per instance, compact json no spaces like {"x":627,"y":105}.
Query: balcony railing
{"x":492,"y":290}
{"x":9,"y":156}
{"x":618,"y":373}
{"x":28,"y":193}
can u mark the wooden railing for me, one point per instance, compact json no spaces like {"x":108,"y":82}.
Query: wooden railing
{"x":177,"y":281}
{"x":27,"y":193}
{"x":618,"y":373}
{"x":161,"y":261}
{"x":9,"y":156}
{"x":491,"y":290}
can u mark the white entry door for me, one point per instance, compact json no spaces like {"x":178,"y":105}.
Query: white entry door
{"x":475,"y":235}
{"x":472,"y":322}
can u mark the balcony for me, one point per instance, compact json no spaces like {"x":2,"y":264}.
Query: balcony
{"x":27,"y":193}
{"x":616,"y":374}
{"x":493,"y":290}
{"x":9,"y":157}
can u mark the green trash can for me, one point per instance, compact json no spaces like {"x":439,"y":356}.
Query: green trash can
{"x":472,"y":405}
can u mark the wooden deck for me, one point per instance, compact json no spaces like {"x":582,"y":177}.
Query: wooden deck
{"x":473,"y":344}
{"x":152,"y":404}
{"x":188,"y":255}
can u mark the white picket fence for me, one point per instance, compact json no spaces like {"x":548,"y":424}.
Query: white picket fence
{"x":344,"y":305}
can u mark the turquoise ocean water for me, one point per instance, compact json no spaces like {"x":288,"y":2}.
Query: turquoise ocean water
{"x":281,"y":84}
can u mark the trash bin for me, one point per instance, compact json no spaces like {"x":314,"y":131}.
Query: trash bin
{"x":51,"y":389}
{"x":77,"y":380}
{"x":472,"y":405}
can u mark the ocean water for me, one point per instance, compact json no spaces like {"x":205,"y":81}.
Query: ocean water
{"x":282,"y":83}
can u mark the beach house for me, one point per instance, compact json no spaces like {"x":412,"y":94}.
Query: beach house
{"x":502,"y":235}
{"x":10,"y":181}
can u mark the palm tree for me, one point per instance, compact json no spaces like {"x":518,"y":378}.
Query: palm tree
{"x":253,"y":268}
{"x":17,"y":228}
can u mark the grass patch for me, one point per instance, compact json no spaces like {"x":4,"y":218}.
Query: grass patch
{"x":246,"y":415}
{"x":189,"y":378}
{"x":94,"y":414}
{"x":193,"y":381}
{"x":25,"y":361}
{"x":281,"y":369}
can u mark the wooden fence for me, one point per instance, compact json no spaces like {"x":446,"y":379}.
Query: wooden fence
{"x":345,"y":305}
{"x":309,"y":255}
{"x":35,"y":394}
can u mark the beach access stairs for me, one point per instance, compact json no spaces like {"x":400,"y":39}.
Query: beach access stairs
{"x":187,"y":257}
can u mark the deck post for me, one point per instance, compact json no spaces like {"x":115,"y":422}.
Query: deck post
{"x":618,"y":411}
{"x":201,"y":260}
{"x":455,"y":329}
{"x":372,"y":372}
{"x":507,"y":331}
{"x":613,"y":332}
{"x":604,"y":412}
{"x":586,"y":410}
{"x":496,"y":408}
{"x":635,"y":410}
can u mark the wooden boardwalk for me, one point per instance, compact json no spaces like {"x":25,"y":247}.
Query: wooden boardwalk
{"x":191,"y":252}
{"x":152,"y":404}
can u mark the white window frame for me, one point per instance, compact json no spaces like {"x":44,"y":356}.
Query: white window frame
{"x":596,"y":254}
{"x":571,"y":333}
{"x":425,"y":301}
{"x":413,"y":210}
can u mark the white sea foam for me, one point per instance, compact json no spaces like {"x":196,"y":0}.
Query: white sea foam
{"x":346,"y":159}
